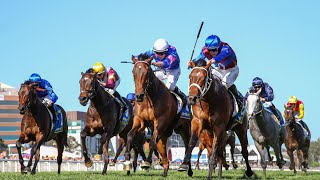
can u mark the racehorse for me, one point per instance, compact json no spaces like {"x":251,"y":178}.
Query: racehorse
{"x":212,"y":108}
{"x":156,"y":105}
{"x":37,"y":125}
{"x":265,"y":129}
{"x":205,"y":141}
{"x":102,"y":117}
{"x":296,"y":140}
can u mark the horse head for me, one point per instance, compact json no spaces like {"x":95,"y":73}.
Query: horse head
{"x":142,"y":73}
{"x":200,"y":80}
{"x":27,"y":96}
{"x":289,"y":114}
{"x":88,"y":87}
{"x":254,"y":105}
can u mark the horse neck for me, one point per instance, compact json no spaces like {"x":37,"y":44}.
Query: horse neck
{"x":215,"y":92}
{"x":156,"y":89}
{"x":261,"y":118}
{"x":100,"y":98}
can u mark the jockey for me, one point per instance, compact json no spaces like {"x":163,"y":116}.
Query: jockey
{"x":131,"y":98}
{"x":109,"y":79}
{"x":266,"y":95}
{"x":298,"y":111}
{"x":168,"y":62}
{"x":225,"y":61}
{"x":45,"y":92}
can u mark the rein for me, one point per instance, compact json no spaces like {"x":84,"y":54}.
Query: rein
{"x":207,"y":84}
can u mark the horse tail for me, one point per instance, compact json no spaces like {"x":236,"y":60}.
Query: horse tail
{"x":65,"y":127}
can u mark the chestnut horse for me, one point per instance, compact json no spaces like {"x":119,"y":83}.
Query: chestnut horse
{"x":212,"y":108}
{"x":103,"y":118}
{"x":296,"y":140}
{"x":37,"y":126}
{"x":155,"y":104}
{"x":206,"y":140}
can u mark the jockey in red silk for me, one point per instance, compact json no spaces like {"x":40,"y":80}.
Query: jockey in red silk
{"x":109,"y":79}
{"x":225,"y":61}
{"x":266,"y":95}
{"x":44,"y":91}
{"x":168,"y":62}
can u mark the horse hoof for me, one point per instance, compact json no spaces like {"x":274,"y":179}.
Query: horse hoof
{"x":88,"y":163}
{"x":127,"y":166}
{"x":249,"y":174}
{"x":183,"y":167}
{"x":112,"y":163}
{"x":235,"y":166}
{"x":145,"y":165}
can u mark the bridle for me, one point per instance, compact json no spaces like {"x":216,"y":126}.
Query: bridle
{"x":31,"y":95}
{"x":92,"y":92}
{"x":207,"y":83}
{"x":147,"y":83}
{"x":255,"y":111}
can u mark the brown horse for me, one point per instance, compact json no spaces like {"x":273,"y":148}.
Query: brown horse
{"x":296,"y":140}
{"x":206,"y":140}
{"x":37,"y":126}
{"x":155,"y":104}
{"x":212,"y":108}
{"x":102,"y":117}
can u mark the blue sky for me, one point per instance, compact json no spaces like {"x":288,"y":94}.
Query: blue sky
{"x":275,"y":40}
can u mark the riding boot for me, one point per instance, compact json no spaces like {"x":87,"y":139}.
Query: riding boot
{"x":181,"y":94}
{"x":304,"y":126}
{"x":121,"y":102}
{"x":275,"y":112}
{"x":237,"y":95}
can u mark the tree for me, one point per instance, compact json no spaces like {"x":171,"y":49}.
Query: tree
{"x":73,"y":144}
{"x":314,"y":152}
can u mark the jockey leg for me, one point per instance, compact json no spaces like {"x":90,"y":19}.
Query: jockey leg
{"x":181,"y":94}
{"x":121,"y":102}
{"x":54,"y":116}
{"x":303,"y":126}
{"x":275,"y":112}
{"x":239,"y":99}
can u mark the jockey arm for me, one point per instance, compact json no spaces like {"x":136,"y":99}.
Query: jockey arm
{"x":225,"y":52}
{"x":269,"y":92}
{"x":110,"y":81}
{"x":301,"y":111}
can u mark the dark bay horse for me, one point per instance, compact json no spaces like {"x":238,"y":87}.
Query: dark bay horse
{"x":212,"y":108}
{"x":102,"y":118}
{"x":37,"y":126}
{"x":156,"y":105}
{"x":205,"y":142}
{"x":296,"y":140}
{"x":265,"y":129}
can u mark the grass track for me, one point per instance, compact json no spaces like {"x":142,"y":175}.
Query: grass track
{"x":156,"y":174}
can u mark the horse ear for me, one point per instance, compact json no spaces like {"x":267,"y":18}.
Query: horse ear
{"x":82,"y":73}
{"x":149,"y":60}
{"x":134,"y":60}
{"x":284,"y":105}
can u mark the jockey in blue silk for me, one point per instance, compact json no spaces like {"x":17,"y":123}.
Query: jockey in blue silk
{"x":225,"y":61}
{"x":168,"y":62}
{"x":131,"y":98}
{"x":266,"y":95}
{"x":44,"y":91}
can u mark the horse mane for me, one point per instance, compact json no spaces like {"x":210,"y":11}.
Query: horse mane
{"x":201,"y":63}
{"x":90,"y":70}
{"x":142,"y":57}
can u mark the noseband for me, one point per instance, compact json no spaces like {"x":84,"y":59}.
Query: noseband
{"x":207,"y":83}
{"x":93,"y":92}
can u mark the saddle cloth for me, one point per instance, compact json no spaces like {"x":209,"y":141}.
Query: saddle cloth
{"x":57,"y":127}
{"x":185,"y":112}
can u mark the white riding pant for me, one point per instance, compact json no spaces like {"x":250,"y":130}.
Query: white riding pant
{"x":171,"y":75}
{"x":227,"y":76}
{"x":111,"y":91}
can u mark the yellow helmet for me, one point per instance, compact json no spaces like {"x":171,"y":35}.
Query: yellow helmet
{"x":293,"y":99}
{"x":98,"y":67}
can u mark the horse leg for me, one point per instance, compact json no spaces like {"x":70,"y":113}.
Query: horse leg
{"x":104,"y":144}
{"x":152,"y":149}
{"x":120,"y":148}
{"x":195,"y":127}
{"x":36,"y":160}
{"x":60,"y":145}
{"x":241,"y":132}
{"x":35,"y":147}
{"x":220,"y":147}
{"x":301,"y":160}
{"x":19,"y":146}
{"x":269,"y":155}
{"x":87,"y":160}
{"x":234,"y":164}
{"x":277,"y":152}
{"x":131,"y":134}
{"x":263,"y":163}
{"x":212,"y":159}
{"x":135,"y":159}
{"x":161,"y":146}
{"x":199,"y":154}
{"x":306,"y":152}
{"x":292,"y":163}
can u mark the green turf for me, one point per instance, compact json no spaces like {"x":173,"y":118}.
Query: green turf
{"x":156,"y":174}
